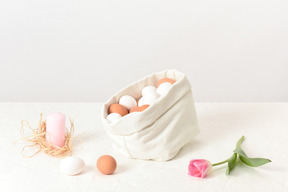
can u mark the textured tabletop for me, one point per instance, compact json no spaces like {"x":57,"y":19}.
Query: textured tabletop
{"x":265,"y":126}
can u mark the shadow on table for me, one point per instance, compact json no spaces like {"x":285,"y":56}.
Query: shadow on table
{"x":88,"y":169}
{"x":121,"y":169}
{"x":220,"y":121}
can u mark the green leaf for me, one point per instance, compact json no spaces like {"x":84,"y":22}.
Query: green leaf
{"x":254,"y":162}
{"x":240,"y":141}
{"x":231,"y":163}
{"x":240,"y":151}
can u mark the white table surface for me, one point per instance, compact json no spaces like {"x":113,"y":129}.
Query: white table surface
{"x":265,"y":126}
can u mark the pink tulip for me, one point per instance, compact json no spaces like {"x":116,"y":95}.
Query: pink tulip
{"x":199,"y":168}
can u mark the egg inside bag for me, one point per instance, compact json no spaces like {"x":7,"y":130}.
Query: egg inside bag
{"x":166,"y":122}
{"x":128,"y":102}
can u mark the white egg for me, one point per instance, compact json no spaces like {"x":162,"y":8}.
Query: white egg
{"x":113,"y":117}
{"x":140,"y":102}
{"x":150,"y":99}
{"x":72,"y":165}
{"x":128,"y":102}
{"x":163,"y":88}
{"x":148,"y":90}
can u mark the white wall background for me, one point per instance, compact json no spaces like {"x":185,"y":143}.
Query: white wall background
{"x":86,"y":50}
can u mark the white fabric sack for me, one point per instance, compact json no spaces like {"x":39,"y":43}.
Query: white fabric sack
{"x":160,"y":131}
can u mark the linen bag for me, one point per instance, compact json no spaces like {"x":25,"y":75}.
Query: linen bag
{"x":160,"y":131}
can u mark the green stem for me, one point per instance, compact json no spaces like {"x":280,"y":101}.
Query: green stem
{"x":240,"y":141}
{"x":220,"y":163}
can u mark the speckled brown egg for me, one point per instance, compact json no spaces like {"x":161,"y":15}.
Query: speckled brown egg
{"x":117,"y":108}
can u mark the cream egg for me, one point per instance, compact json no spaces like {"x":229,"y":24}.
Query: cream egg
{"x":148,"y":90}
{"x":128,"y":101}
{"x":113,"y":117}
{"x":150,"y":99}
{"x":72,"y":165}
{"x":140,"y":102}
{"x":163,"y":88}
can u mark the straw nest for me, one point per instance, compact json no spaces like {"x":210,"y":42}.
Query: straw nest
{"x":38,"y":139}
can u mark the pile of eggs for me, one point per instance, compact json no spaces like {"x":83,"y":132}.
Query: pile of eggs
{"x":127,"y":104}
{"x":106,"y":164}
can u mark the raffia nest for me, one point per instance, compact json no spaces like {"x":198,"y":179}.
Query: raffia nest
{"x":38,"y":139}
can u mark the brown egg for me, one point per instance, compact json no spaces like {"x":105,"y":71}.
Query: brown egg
{"x":165,"y":80}
{"x":106,"y":164}
{"x":138,"y":109}
{"x":117,"y":108}
{"x":143,"y":107}
{"x":134,"y":109}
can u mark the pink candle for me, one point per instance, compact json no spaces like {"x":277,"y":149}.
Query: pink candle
{"x":55,"y":129}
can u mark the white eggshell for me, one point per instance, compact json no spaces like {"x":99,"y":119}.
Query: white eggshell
{"x":128,"y":102}
{"x":163,"y":88}
{"x":150,"y":99}
{"x":72,"y":165}
{"x":113,"y":117}
{"x":148,"y":90}
{"x":140,"y":102}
